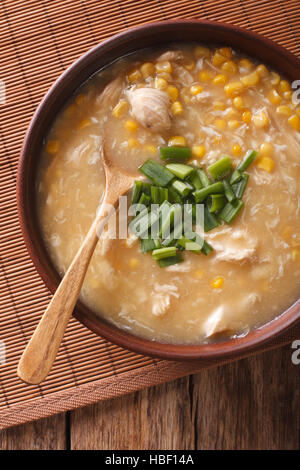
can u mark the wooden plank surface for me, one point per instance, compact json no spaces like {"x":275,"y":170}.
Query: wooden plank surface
{"x":250,"y":404}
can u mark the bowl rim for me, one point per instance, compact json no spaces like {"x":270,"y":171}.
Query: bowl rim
{"x":224,"y":349}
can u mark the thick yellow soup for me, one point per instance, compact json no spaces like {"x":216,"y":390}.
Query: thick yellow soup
{"x":214,"y":102}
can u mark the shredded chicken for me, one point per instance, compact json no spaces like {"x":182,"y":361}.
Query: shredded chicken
{"x":170,"y":55}
{"x":150,"y":107}
{"x":111,"y":93}
{"x":233,"y":245}
{"x":162,"y":298}
{"x":183,"y":75}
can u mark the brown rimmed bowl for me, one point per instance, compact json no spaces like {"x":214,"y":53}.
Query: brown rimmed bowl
{"x":149,"y":35}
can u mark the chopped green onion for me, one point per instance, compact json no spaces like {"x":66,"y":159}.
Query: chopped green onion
{"x":235,"y":177}
{"x":145,"y":199}
{"x":231,"y":210}
{"x":210,"y":220}
{"x":249,"y":158}
{"x":162,"y":253}
{"x":180,"y":170}
{"x":165,"y":262}
{"x":174,"y":196}
{"x":159,"y":194}
{"x":228,"y":191}
{"x":148,"y":244}
{"x":239,"y":188}
{"x":189,"y":245}
{"x":174,"y":236}
{"x":202,"y":194}
{"x":175,"y":153}
{"x":205,"y":247}
{"x":183,"y":188}
{"x":203,"y":178}
{"x":220,"y":168}
{"x":168,"y":217}
{"x":216,"y":202}
{"x":195,"y":179}
{"x":136,"y":191}
{"x":157,"y":173}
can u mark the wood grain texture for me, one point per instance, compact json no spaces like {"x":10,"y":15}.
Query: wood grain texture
{"x":156,"y":418}
{"x":45,"y":434}
{"x":250,"y":404}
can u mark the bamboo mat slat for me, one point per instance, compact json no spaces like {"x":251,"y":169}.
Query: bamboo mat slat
{"x":38,"y":41}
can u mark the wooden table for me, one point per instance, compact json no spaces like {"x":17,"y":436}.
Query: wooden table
{"x":250,"y":404}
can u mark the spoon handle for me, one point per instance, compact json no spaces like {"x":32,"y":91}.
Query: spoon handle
{"x":40,"y":352}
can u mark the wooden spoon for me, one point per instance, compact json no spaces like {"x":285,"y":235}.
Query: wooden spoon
{"x":40,"y":353}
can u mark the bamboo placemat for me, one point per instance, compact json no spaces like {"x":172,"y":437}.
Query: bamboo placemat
{"x":38,"y":40}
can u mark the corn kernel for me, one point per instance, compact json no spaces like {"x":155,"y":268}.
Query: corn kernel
{"x":189,"y":65}
{"x":220,"y":124}
{"x":229,"y":67}
{"x":231,"y":112}
{"x":251,"y":79}
{"x":204,"y":76}
{"x":298,"y":111}
{"x":246,"y":64}
{"x":165,"y":66}
{"x":217,"y":283}
{"x":150,"y":149}
{"x":262,"y":70}
{"x":246,"y":117}
{"x":199,"y":274}
{"x":233,"y":124}
{"x":275,"y":78}
{"x":133,"y":143}
{"x":195,"y":89}
{"x":274,"y":96}
{"x":220,"y":79}
{"x":284,"y":85}
{"x":177,"y":108}
{"x":218,"y":59}
{"x":225,"y":51}
{"x":198,"y":151}
{"x":219,"y":105}
{"x":201,"y":51}
{"x":238,"y":102}
{"x":283,"y":109}
{"x":294,"y":121}
{"x":296,"y":256}
{"x":266,"y":149}
{"x":233,"y":89}
{"x":261,"y":119}
{"x":79,"y":99}
{"x":177,"y":141}
{"x":53,"y":146}
{"x":236,"y":149}
{"x":131,"y":126}
{"x":160,"y":83}
{"x":84,"y":123}
{"x":134,"y":76}
{"x":147,"y":69}
{"x":134,"y":262}
{"x":265,"y":163}
{"x":172,"y":92}
{"x":120,"y":108}
{"x":288,"y":95}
